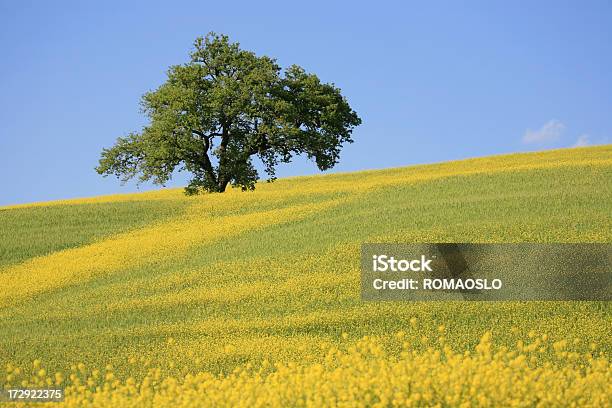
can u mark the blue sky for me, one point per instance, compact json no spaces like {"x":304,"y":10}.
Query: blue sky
{"x":432,"y":81}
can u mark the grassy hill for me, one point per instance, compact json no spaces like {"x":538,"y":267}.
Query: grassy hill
{"x":212,"y":282}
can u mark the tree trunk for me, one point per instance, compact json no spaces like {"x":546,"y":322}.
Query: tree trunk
{"x":206,"y":163}
{"x":223,"y":185}
{"x":208,"y":168}
{"x":223,"y":178}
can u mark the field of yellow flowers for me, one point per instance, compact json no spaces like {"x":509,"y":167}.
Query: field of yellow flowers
{"x":253,"y":299}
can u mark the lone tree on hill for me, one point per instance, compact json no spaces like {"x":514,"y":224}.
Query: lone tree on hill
{"x":226,"y":105}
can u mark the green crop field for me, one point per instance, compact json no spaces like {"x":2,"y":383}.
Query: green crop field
{"x":155,"y":294}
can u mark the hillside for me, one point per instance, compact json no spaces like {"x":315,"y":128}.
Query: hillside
{"x":212,"y":282}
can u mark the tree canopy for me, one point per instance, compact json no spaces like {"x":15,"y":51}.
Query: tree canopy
{"x":225,"y":106}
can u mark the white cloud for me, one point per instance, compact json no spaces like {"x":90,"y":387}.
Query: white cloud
{"x":549,"y":132}
{"x":582,"y":141}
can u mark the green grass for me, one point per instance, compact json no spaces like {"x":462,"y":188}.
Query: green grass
{"x":36,"y":231}
{"x":280,"y":290}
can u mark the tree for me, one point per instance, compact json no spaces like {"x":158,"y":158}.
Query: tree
{"x":222,"y":108}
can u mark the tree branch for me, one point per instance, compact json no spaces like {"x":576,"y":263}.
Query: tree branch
{"x":204,"y":135}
